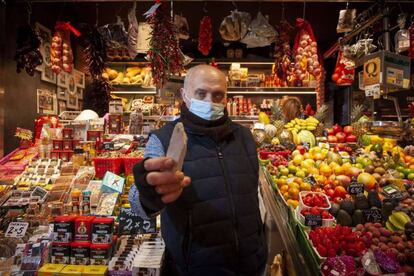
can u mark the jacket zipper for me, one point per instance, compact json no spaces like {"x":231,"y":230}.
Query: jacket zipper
{"x":226,"y":182}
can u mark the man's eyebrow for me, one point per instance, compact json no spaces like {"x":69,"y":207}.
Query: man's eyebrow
{"x":200,"y":90}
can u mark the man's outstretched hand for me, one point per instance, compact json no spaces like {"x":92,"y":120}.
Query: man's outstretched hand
{"x":168,"y":184}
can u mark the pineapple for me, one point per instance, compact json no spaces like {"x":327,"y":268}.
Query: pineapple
{"x":356,"y":114}
{"x":278,"y":118}
{"x":320,"y":115}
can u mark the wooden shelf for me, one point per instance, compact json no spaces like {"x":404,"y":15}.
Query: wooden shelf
{"x":271,"y":91}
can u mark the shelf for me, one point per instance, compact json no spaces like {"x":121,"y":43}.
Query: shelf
{"x":271,"y":91}
{"x":133,"y":89}
{"x":244,"y":118}
{"x":222,"y":61}
{"x":134,"y":92}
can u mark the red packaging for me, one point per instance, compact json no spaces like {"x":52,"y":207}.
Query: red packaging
{"x":60,"y":253}
{"x":83,"y":228}
{"x":63,"y":229}
{"x":94,"y":135}
{"x":54,"y":154}
{"x":102,"y":230}
{"x":67,"y":133}
{"x":100,"y":254}
{"x":57,"y":144}
{"x":67,"y":144}
{"x":64,"y":155}
{"x":80,"y":252}
{"x":75,"y":143}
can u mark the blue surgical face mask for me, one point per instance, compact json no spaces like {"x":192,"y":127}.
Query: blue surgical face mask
{"x":206,"y":110}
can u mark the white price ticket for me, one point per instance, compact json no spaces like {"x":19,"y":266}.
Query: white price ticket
{"x":16,"y":229}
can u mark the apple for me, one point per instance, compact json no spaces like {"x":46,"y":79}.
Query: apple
{"x":301,"y":149}
{"x":341,"y":137}
{"x":330,"y":193}
{"x":348,"y":130}
{"x":338,"y":199}
{"x":330,"y":131}
{"x":332,"y":139}
{"x":337,"y":128}
{"x":351,"y":138}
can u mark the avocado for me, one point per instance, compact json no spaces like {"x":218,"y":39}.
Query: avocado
{"x":386,"y":210}
{"x":358,"y":217}
{"x":361,"y":202}
{"x":348,"y":206}
{"x":334,"y":209}
{"x":373,"y":199}
{"x":344,"y":218}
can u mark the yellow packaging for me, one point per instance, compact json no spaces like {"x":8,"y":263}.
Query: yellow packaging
{"x":95,"y":270}
{"x":72,"y":270}
{"x":50,"y":269}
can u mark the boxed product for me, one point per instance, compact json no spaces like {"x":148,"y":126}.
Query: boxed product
{"x":72,"y":270}
{"x":50,"y":270}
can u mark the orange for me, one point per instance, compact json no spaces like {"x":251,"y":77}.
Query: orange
{"x":313,"y":171}
{"x":305,"y":186}
{"x":286,"y":195}
{"x":318,"y":156}
{"x":293,"y":203}
{"x":284,"y":189}
{"x":307,"y":156}
{"x":338,"y":170}
{"x":412,"y":166}
{"x":325,"y":170}
{"x":281,"y":182}
{"x":293,"y":185}
{"x":408,"y":159}
{"x":294,"y":193}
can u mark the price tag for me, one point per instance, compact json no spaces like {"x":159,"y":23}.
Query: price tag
{"x":130,"y":223}
{"x":372,"y":90}
{"x":16,"y":229}
{"x":355,"y":188}
{"x":373,"y":215}
{"x":108,"y":145}
{"x":311,"y":180}
{"x":313,"y":220}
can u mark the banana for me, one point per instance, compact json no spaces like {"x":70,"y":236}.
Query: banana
{"x":119,"y":78}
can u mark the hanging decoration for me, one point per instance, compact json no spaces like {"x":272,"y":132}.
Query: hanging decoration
{"x":27,"y":54}
{"x":346,"y":20}
{"x":411,"y":31}
{"x":181,"y":24}
{"x":307,"y":63}
{"x":283,"y":55}
{"x":205,"y":35}
{"x":97,"y":97}
{"x":61,"y":56}
{"x":235,"y":26}
{"x":344,"y":71}
{"x":261,"y":33}
{"x":133,"y":32}
{"x":95,"y":50}
{"x":164,"y":54}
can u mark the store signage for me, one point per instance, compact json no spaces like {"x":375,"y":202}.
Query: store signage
{"x":311,"y":180}
{"x":131,"y":223}
{"x":373,"y":215}
{"x":355,"y":188}
{"x":108,"y":145}
{"x":372,"y":74}
{"x":16,"y":229}
{"x":313,"y":220}
{"x":373,"y":91}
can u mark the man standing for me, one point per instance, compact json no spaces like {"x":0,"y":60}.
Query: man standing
{"x":210,"y":217}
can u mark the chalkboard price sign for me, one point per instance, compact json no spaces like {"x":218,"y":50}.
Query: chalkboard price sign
{"x":130,"y":223}
{"x":355,"y":188}
{"x":373,"y":215}
{"x":313,"y":220}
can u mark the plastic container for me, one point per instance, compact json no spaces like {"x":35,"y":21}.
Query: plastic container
{"x":129,"y":163}
{"x":325,"y":222}
{"x":304,"y":193}
{"x":103,"y":165}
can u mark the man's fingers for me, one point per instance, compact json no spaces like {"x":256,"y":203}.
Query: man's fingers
{"x":164,"y":178}
{"x":167,"y":189}
{"x":159,"y":164}
{"x":171,"y":197}
{"x":186,"y":182}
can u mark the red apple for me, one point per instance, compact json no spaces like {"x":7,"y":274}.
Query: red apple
{"x":331,"y":193}
{"x":340,"y":191}
{"x":330,"y":131}
{"x":341,"y":137}
{"x":351,"y":138}
{"x":332,"y":139}
{"x":337,"y":128}
{"x":301,"y":149}
{"x":348,"y":130}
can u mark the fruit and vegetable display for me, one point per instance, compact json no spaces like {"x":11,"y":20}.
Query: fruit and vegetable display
{"x":351,"y":191}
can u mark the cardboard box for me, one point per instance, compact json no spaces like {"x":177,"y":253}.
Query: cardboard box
{"x":50,"y":270}
{"x":95,"y":270}
{"x":72,"y":270}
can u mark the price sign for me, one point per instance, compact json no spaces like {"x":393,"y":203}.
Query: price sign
{"x":313,"y":220}
{"x":109,"y":145}
{"x":311,"y":180}
{"x":131,"y":223}
{"x":355,"y":188}
{"x":373,"y":215}
{"x":16,"y":229}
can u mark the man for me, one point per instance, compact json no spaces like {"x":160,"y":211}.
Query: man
{"x":213,"y":225}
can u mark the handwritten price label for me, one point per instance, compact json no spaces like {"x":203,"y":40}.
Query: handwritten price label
{"x":16,"y":229}
{"x":373,"y":215}
{"x":313,"y":220}
{"x":131,"y":223}
{"x":355,"y":188}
